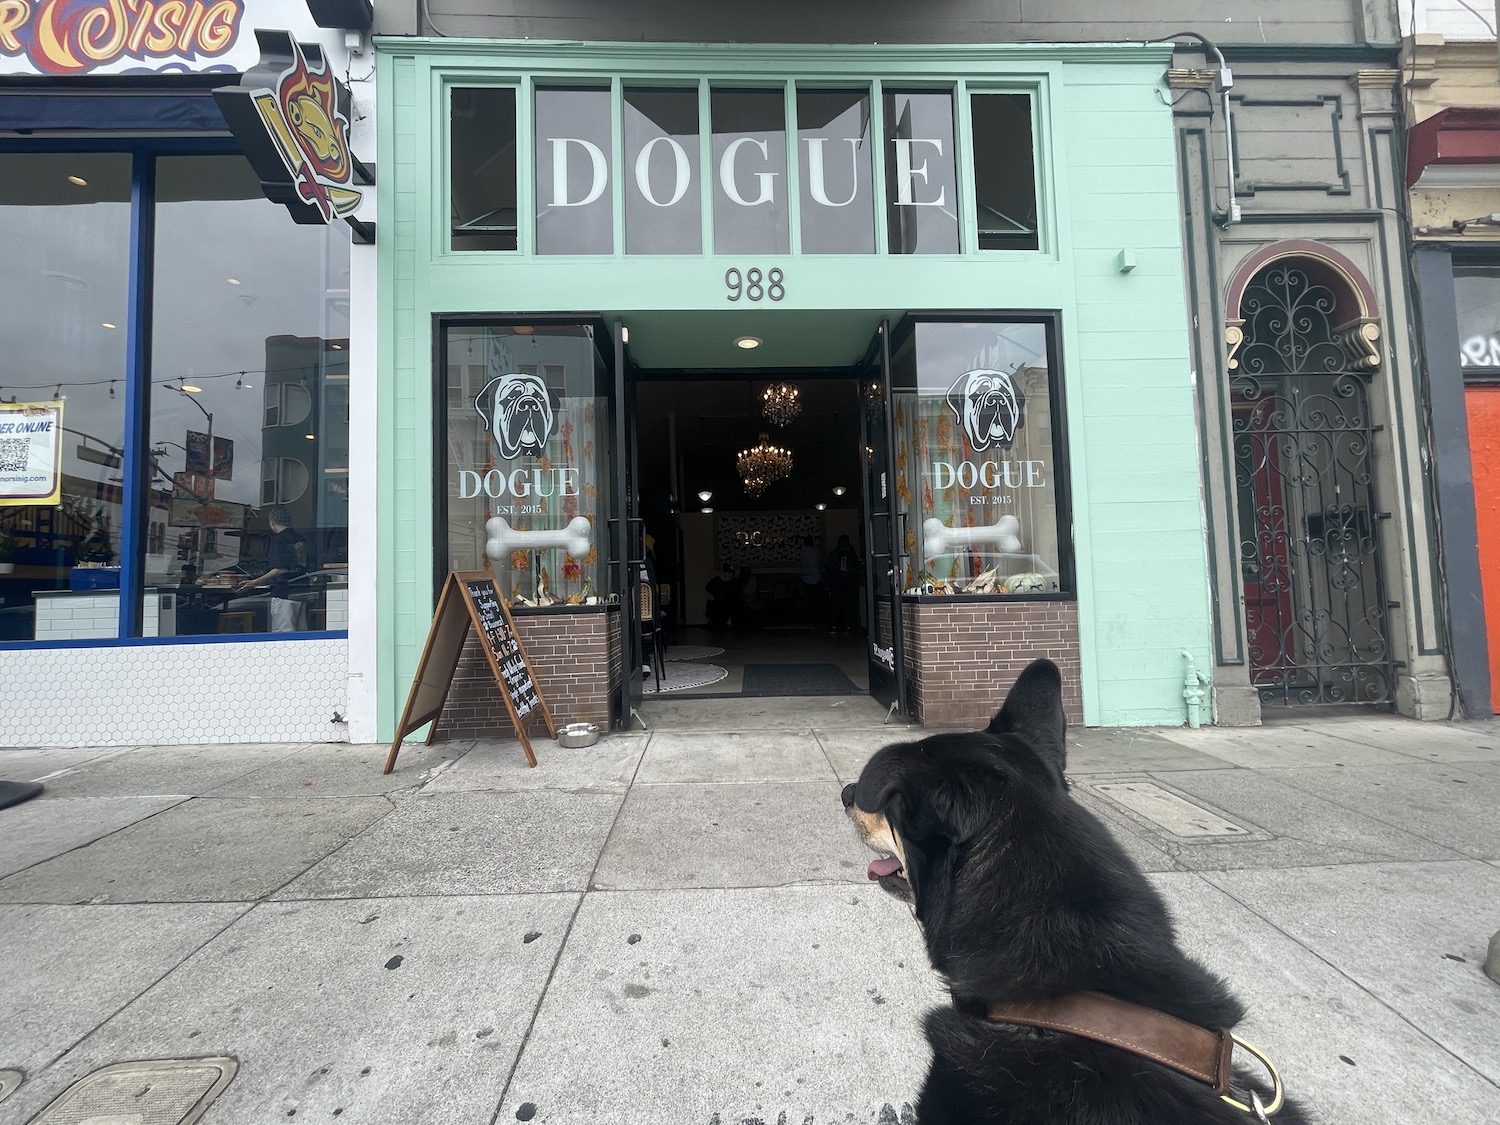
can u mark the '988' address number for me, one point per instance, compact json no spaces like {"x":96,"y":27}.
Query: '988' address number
{"x":754,"y":285}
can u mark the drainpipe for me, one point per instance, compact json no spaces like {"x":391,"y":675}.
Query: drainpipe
{"x":1194,"y":690}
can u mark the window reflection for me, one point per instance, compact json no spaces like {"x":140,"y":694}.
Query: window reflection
{"x":64,"y":291}
{"x":249,"y":410}
{"x":749,"y":147}
{"x":574,"y":206}
{"x":663,"y":204}
{"x":921,"y":178}
{"x":838,"y":207}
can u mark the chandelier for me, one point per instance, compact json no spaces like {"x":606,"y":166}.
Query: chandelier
{"x":762,"y":465}
{"x":780,"y":403}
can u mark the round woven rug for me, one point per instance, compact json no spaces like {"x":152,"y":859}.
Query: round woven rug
{"x":692,"y":652}
{"x":679,"y":675}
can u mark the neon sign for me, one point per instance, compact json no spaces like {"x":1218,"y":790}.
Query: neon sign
{"x":69,"y":37}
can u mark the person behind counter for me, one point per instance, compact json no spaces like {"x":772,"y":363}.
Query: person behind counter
{"x":287,"y":560}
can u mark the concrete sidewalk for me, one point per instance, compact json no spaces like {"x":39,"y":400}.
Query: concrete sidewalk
{"x":676,"y":926}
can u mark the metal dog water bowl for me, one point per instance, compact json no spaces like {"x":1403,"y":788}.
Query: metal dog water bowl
{"x":575,"y":736}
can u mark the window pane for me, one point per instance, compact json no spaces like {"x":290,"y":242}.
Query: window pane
{"x":975,"y":471}
{"x":663,"y":204}
{"x":484,"y":169}
{"x":528,"y":451}
{"x":574,"y":139}
{"x":251,"y":470}
{"x":838,"y":205}
{"x":749,"y":146}
{"x":1477,"y":290}
{"x":921,"y":183}
{"x":1004,"y":171}
{"x":64,"y":289}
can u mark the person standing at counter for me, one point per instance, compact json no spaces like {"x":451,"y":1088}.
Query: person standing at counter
{"x":287,"y":561}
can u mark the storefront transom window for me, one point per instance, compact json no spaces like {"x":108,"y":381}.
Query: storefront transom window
{"x":723,"y":152}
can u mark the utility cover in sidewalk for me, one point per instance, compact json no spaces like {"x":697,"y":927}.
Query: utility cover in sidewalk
{"x":9,"y":1080}
{"x":1176,"y":814}
{"x":153,"y":1092}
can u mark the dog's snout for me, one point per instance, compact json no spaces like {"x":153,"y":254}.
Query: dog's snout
{"x":848,"y":796}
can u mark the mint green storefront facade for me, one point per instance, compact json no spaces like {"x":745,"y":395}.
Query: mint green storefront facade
{"x":1097,"y":267}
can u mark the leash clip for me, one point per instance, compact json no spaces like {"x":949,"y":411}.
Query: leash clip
{"x":1257,"y":1107}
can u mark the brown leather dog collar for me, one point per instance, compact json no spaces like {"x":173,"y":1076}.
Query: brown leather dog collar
{"x":1185,"y":1047}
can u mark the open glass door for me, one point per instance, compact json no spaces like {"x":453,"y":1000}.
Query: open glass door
{"x":882,"y":527}
{"x":627,"y":547}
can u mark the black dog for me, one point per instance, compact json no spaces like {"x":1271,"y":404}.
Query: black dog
{"x":1027,"y":904}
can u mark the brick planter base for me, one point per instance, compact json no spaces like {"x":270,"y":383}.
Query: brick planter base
{"x":963,"y":656}
{"x":576,"y":657}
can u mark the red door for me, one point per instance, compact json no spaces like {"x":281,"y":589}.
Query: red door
{"x":1484,"y":448}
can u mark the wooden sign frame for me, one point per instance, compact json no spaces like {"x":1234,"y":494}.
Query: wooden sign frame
{"x":456,"y":613}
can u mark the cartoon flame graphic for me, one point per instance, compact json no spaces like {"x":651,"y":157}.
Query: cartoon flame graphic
{"x":307,"y":101}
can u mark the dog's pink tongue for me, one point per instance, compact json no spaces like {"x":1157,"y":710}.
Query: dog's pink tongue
{"x":882,"y":867}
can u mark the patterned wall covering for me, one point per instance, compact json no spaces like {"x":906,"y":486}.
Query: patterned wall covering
{"x":175,"y":694}
{"x":767,"y":539}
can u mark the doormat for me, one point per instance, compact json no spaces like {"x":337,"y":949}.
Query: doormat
{"x":679,"y":675}
{"x":797,"y":679}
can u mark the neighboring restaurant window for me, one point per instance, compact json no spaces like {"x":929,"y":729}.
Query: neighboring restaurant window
{"x":526,"y":467}
{"x":921,"y":178}
{"x":1004,"y":171}
{"x":64,"y":296}
{"x":749,"y":150}
{"x":483,"y":169}
{"x":249,"y":441}
{"x":976,"y":459}
{"x":575,"y":211}
{"x":1477,"y":292}
{"x":833,"y":139}
{"x":663,"y":205}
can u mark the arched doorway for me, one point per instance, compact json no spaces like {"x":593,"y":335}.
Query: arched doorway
{"x":1308,"y":519}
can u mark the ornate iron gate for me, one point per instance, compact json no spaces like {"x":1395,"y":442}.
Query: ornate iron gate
{"x":1309,"y":536}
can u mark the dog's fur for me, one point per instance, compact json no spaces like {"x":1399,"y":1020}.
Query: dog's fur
{"x":519,"y":409}
{"x":988,"y":406}
{"x":1022,"y":894}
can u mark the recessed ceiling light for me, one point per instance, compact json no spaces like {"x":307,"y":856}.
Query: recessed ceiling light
{"x":232,"y":280}
{"x":839,"y":490}
{"x":820,"y":506}
{"x":708,"y":511}
{"x":107,"y":324}
{"x":311,"y":437}
{"x":337,"y":347}
{"x":747,"y":342}
{"x":705,"y":496}
{"x":79,"y":180}
{"x":192,"y":390}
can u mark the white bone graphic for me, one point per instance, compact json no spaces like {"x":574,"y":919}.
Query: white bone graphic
{"x":503,"y":539}
{"x":940,"y":539}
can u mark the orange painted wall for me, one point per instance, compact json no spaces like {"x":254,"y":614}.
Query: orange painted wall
{"x":1483,"y":405}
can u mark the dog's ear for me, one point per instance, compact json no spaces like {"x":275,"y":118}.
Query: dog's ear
{"x":484,"y":408}
{"x":1033,"y":711}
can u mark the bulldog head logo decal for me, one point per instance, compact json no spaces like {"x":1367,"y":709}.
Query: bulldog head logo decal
{"x":988,"y":407}
{"x":520,"y":411}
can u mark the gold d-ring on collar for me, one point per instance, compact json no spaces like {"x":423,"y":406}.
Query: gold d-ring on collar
{"x":1260,"y":1110}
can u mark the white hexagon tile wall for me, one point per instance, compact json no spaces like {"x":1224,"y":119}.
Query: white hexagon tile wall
{"x":175,"y":694}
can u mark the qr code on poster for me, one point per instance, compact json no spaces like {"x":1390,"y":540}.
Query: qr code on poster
{"x":14,"y":454}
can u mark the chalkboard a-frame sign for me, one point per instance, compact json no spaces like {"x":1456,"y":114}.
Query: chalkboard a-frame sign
{"x":472,"y":598}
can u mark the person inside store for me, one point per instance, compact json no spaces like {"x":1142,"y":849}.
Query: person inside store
{"x":810,"y":571}
{"x":726,"y":605}
{"x":843,"y":571}
{"x":287,"y":561}
{"x":188,"y":590}
{"x":749,"y":591}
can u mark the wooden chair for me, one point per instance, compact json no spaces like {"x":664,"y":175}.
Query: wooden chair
{"x":650,"y":622}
